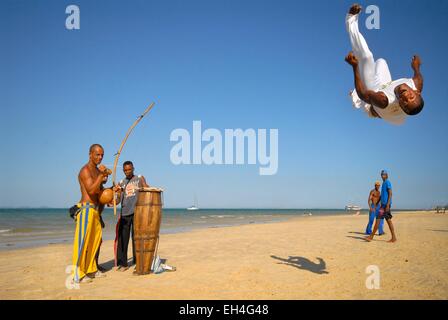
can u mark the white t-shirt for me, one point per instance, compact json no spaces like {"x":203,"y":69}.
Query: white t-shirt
{"x":393,"y":113}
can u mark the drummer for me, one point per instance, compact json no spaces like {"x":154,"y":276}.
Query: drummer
{"x":127,"y":195}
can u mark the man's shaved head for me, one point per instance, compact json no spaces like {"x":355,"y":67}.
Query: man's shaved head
{"x":94,"y":146}
{"x":410,"y":100}
{"x":415,"y":107}
{"x":96,"y":153}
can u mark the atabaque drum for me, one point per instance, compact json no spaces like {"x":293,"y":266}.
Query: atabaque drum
{"x":147,"y":219}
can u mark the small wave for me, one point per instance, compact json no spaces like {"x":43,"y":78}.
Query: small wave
{"x":5,"y":230}
{"x":23,"y":230}
{"x":17,"y":232}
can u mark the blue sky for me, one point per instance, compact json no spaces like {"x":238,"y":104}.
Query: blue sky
{"x":230,"y":64}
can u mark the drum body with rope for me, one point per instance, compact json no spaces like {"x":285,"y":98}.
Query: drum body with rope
{"x":147,"y":219}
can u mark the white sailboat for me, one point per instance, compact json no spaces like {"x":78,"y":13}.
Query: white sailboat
{"x":353,"y":208}
{"x":195,"y":206}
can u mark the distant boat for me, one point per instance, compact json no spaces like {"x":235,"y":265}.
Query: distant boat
{"x":195,"y":206}
{"x":353,"y":208}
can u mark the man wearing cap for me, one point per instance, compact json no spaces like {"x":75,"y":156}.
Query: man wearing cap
{"x":384,"y":212}
{"x":374,"y":205}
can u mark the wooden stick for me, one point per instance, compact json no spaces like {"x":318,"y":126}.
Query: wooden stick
{"x":117,"y":155}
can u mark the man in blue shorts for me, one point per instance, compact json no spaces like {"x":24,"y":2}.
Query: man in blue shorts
{"x":384,"y":212}
{"x":374,"y":205}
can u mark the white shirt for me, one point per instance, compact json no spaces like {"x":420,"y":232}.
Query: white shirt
{"x":393,"y":113}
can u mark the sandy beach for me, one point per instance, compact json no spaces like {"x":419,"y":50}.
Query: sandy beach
{"x":302,"y":258}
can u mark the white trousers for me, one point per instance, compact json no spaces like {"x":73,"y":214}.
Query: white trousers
{"x":373,"y":73}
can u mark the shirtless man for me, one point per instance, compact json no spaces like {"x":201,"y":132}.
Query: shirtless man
{"x":374,"y":205}
{"x":375,"y":91}
{"x":88,"y":233}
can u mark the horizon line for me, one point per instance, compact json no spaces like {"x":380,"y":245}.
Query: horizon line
{"x":232,"y":208}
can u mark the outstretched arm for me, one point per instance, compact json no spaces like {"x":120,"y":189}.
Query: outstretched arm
{"x":418,"y":78}
{"x":378,"y":99}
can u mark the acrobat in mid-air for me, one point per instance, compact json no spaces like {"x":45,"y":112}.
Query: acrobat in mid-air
{"x":375,"y":91}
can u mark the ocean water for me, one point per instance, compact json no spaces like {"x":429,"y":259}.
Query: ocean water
{"x":35,"y":227}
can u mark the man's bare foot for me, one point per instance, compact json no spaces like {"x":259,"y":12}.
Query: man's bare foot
{"x":123,"y":268}
{"x":355,"y":9}
{"x":392,"y":240}
{"x":369,"y":238}
{"x":85,"y":279}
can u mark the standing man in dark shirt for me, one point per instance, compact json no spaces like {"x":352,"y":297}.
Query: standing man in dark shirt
{"x":128,"y":195}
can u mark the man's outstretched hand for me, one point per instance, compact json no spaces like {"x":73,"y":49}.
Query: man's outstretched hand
{"x":351,"y":59}
{"x":416,"y":62}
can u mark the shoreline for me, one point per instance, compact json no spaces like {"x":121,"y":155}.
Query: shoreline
{"x":108,"y":233}
{"x":301,"y":258}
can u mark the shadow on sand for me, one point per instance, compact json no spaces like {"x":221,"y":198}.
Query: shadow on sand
{"x":304,"y":264}
{"x":107,"y":266}
{"x":358,"y":238}
{"x":364,"y":234}
{"x":376,"y":238}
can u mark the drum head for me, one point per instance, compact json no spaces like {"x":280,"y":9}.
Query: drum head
{"x":151,"y":189}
